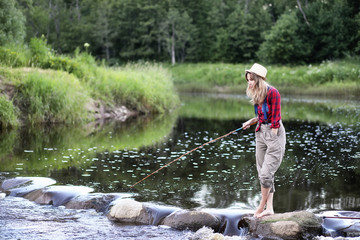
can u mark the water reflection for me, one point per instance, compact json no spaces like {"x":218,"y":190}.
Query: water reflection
{"x":321,"y":168}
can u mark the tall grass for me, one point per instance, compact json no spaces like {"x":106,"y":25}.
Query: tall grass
{"x":61,"y":93}
{"x":47,"y":95}
{"x":145,"y":87}
{"x":8,"y":113}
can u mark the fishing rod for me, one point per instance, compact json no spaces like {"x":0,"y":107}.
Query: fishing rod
{"x":214,"y":140}
{"x":341,"y":217}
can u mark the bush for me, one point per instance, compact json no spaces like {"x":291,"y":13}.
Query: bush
{"x":15,"y":55}
{"x":10,"y":58}
{"x":40,"y":52}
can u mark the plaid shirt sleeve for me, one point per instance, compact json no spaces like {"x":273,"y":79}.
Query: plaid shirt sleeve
{"x":274,"y":103}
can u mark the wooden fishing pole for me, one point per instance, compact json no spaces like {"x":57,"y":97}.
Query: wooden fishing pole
{"x":214,"y":140}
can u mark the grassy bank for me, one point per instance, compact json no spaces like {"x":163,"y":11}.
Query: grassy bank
{"x":41,"y":86}
{"x":328,"y":78}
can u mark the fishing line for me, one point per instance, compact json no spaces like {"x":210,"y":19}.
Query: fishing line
{"x":214,"y":140}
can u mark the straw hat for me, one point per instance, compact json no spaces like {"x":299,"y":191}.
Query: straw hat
{"x":258,"y":70}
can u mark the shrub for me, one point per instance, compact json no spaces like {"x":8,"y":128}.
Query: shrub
{"x":14,"y":55}
{"x":40,"y":52}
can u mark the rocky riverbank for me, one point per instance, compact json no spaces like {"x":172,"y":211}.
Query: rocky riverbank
{"x":121,"y":208}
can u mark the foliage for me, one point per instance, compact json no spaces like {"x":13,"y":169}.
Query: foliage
{"x":176,"y":33}
{"x":8,"y":113}
{"x":14,"y":55}
{"x":198,"y":31}
{"x":246,"y":29}
{"x":12,"y":28}
{"x":330,"y":33}
{"x":282,"y":44}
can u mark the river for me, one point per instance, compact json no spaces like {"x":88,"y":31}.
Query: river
{"x":320,"y":170}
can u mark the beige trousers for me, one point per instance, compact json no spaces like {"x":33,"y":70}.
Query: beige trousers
{"x":270,"y":149}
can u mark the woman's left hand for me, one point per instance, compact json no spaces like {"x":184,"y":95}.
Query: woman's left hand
{"x":274,"y":131}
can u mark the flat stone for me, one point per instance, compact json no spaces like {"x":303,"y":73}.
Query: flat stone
{"x":20,"y":186}
{"x":56,"y":195}
{"x":192,"y":220}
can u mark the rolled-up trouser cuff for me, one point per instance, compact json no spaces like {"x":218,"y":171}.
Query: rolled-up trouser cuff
{"x":267,"y":183}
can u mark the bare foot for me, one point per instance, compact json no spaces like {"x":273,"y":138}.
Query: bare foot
{"x":265,"y":213}
{"x":258,"y":212}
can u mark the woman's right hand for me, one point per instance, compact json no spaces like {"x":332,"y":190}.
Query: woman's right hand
{"x":248,"y":123}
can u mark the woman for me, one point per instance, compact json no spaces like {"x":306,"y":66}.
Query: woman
{"x":270,"y":134}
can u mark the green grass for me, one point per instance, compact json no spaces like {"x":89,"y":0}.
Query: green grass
{"x":52,"y":96}
{"x":56,"y":88}
{"x":207,"y":77}
{"x":145,"y":87}
{"x":328,"y":78}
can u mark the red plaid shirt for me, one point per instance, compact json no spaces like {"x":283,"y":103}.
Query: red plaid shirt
{"x":273,"y":101}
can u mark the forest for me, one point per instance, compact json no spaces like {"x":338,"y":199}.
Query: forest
{"x":178,"y":31}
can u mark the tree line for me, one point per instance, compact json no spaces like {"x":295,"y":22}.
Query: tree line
{"x":232,"y":31}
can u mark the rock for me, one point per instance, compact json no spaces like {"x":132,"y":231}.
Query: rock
{"x":158,"y":213}
{"x":56,"y":195}
{"x":341,"y":223}
{"x":193,"y":220}
{"x":206,"y":233}
{"x":129,"y":211}
{"x":102,"y":111}
{"x":2,"y":195}
{"x":293,"y":225}
{"x":232,"y":220}
{"x":98,"y":201}
{"x":20,"y":186}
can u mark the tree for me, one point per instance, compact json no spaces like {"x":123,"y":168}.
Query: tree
{"x":218,"y":35}
{"x":64,"y":23}
{"x":246,"y":26}
{"x":177,"y":32}
{"x":136,"y":31}
{"x":102,"y":30}
{"x":282,"y":44}
{"x":330,"y":32}
{"x":12,"y":28}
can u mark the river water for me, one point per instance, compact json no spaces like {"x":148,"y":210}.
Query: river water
{"x":320,"y":170}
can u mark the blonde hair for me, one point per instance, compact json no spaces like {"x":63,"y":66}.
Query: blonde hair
{"x":259,"y":92}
